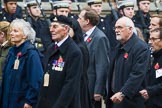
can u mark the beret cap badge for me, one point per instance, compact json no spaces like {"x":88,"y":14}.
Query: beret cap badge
{"x":55,"y":19}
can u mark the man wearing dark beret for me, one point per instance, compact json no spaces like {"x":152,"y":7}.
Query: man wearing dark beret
{"x":10,"y":11}
{"x":63,"y":67}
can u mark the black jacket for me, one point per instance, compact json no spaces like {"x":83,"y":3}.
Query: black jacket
{"x":130,"y":65}
{"x":64,"y":85}
{"x":154,"y":85}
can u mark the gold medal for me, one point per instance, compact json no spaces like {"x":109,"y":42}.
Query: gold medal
{"x":46,"y":80}
{"x":16,"y":64}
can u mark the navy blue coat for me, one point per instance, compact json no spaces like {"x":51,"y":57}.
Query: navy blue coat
{"x":130,"y":71}
{"x":64,"y":86}
{"x":22,"y":85}
{"x":84,"y":91}
{"x":102,"y":25}
{"x":154,"y":85}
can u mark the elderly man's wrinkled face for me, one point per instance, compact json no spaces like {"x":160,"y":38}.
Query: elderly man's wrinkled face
{"x":10,"y":7}
{"x":16,"y":35}
{"x":155,"y":41}
{"x":122,"y":31}
{"x":58,"y":31}
{"x":154,"y":23}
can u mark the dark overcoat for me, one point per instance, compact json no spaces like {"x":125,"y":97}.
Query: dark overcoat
{"x":63,"y":90}
{"x":84,"y":91}
{"x":22,"y":85}
{"x":154,"y":85}
{"x":131,"y":63}
{"x":102,"y":25}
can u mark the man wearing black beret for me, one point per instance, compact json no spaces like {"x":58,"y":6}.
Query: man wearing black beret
{"x":63,"y":67}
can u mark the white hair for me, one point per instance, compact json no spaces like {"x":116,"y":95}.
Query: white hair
{"x":129,"y":23}
{"x":26,"y":28}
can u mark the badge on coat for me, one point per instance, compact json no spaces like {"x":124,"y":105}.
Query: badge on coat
{"x":17,"y":61}
{"x":58,"y":65}
{"x":158,"y":73}
{"x":16,"y":64}
{"x":46,"y":79}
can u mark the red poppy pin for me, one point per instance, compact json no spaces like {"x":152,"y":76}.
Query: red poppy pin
{"x":60,"y":59}
{"x":126,"y":55}
{"x":19,"y":54}
{"x":89,"y":40}
{"x":156,"y":66}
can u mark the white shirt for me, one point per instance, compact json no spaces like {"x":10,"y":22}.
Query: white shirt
{"x":89,"y":32}
{"x":62,"y":41}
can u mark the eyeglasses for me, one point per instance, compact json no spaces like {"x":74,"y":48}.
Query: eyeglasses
{"x":153,"y":39}
{"x":119,"y":27}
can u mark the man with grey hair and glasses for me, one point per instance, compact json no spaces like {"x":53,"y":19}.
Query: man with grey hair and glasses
{"x":130,"y":63}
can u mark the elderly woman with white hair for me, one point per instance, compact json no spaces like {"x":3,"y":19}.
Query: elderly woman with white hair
{"x":22,"y":72}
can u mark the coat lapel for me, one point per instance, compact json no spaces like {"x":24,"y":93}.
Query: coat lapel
{"x":90,"y":38}
{"x":49,"y":53}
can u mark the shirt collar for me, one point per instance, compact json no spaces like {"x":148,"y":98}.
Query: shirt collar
{"x":89,"y":32}
{"x":62,"y":41}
